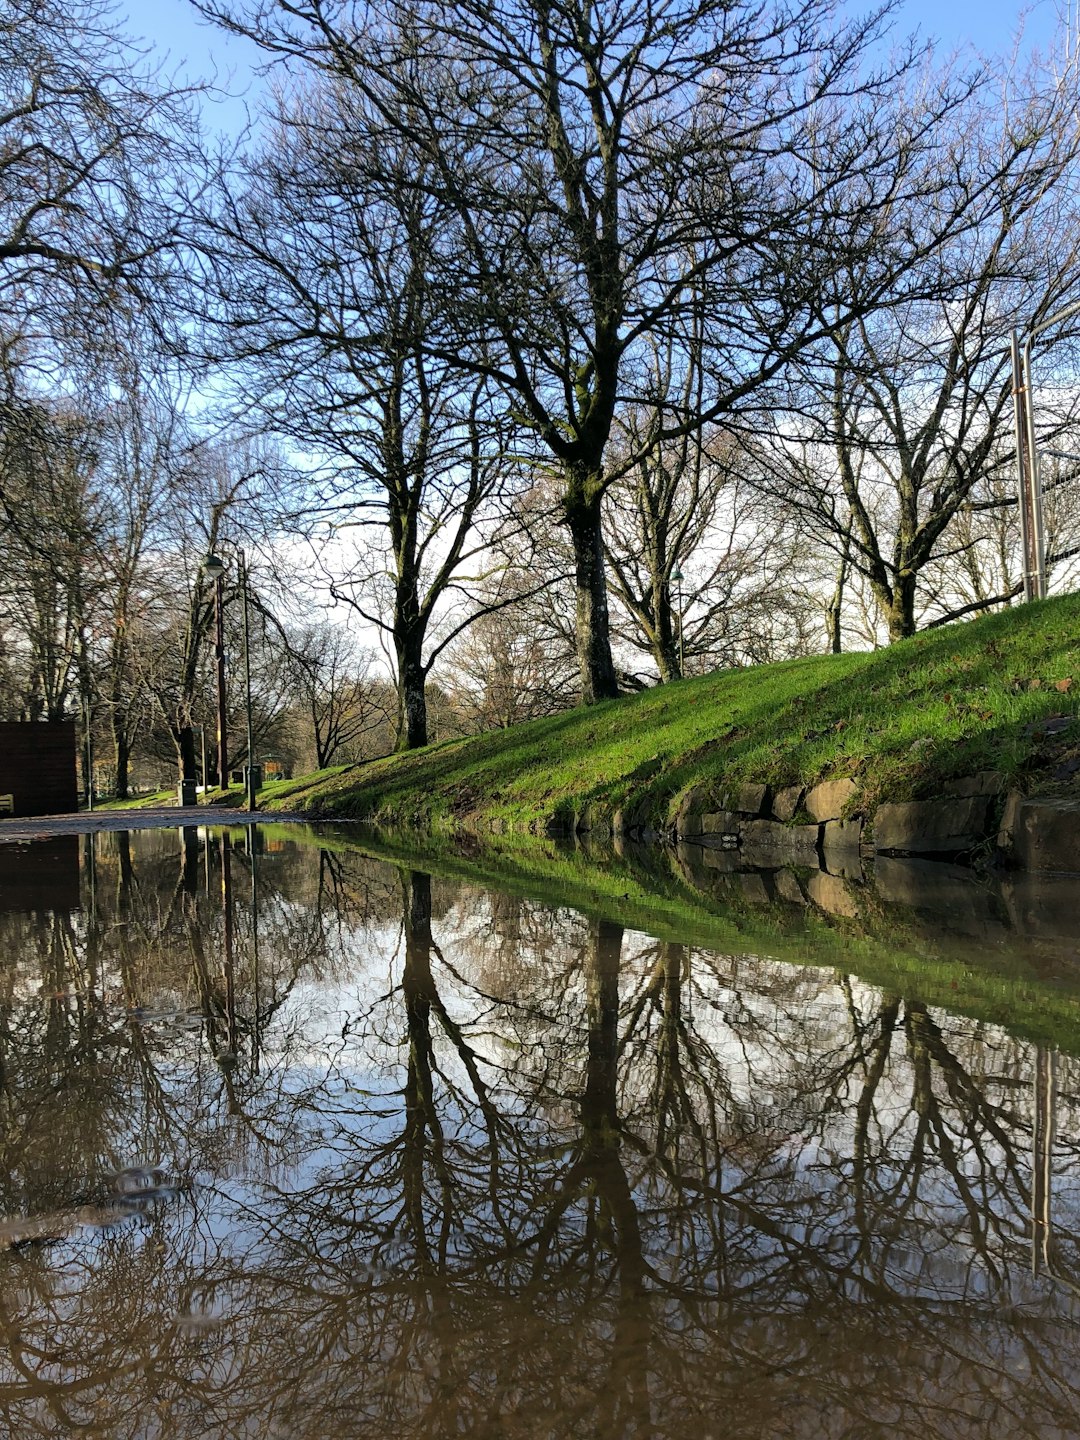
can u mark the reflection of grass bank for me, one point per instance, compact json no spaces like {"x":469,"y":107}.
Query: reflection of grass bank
{"x":949,"y":702}
{"x":887,"y":946}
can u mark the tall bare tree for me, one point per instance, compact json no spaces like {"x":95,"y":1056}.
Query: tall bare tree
{"x":903,"y":417}
{"x":329,"y":278}
{"x":609,"y":169}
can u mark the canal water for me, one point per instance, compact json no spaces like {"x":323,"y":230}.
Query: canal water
{"x":299,"y":1143}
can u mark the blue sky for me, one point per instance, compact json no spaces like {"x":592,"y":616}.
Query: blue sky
{"x":199,"y":50}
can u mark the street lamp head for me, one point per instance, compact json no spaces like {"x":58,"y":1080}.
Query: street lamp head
{"x":214,"y":567}
{"x":676,"y":575}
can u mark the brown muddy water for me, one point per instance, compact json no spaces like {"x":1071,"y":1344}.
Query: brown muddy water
{"x":299,"y":1144}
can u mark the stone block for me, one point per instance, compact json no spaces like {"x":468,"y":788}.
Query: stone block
{"x":747,"y":799}
{"x":848,"y":864}
{"x":1044,"y":907}
{"x":787,"y":801}
{"x":841,"y":835}
{"x":728,"y":861}
{"x":754,"y":889}
{"x":827,"y":800}
{"x":1007,"y":828}
{"x":833,"y":895}
{"x":721,"y":822}
{"x":788,"y":887}
{"x":950,"y":899}
{"x":987,"y":782}
{"x":765,"y":841}
{"x":932,"y":827}
{"x":925,"y":884}
{"x":1046,"y":835}
{"x":691,"y":808}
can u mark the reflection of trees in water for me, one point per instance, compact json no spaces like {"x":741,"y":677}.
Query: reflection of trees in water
{"x":555,"y":1181}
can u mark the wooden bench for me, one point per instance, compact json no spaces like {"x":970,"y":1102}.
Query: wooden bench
{"x":7,"y":804}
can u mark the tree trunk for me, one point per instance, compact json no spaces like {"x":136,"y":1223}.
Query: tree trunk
{"x":412,"y":701}
{"x":122,"y":753}
{"x":666,"y":643}
{"x":596,"y":667}
{"x":599,"y":1103}
{"x":835,"y":607}
{"x":901,"y":611}
{"x":185,"y":752}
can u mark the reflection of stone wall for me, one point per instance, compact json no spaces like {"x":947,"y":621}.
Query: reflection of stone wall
{"x":37,"y":767}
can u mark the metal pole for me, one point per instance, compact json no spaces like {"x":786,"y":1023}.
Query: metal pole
{"x":219,"y":656}
{"x":252,"y":801}
{"x":1042,"y":1158}
{"x":256,"y":1030}
{"x":88,"y":756}
{"x":682,"y":665}
{"x":1020,"y":432}
{"x":1037,"y":533}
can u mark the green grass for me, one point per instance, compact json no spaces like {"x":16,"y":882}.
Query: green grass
{"x":899,"y":721}
{"x":154,"y":801}
{"x":886,"y":945}
{"x":235,"y":797}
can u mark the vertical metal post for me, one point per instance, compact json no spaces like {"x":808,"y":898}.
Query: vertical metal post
{"x":229,"y":966}
{"x":1020,"y":432}
{"x":256,"y":1028}
{"x":252,"y":800}
{"x":1035,"y":525}
{"x":1042,"y":1157}
{"x":88,"y":755}
{"x":219,"y":657}
{"x":677,"y":576}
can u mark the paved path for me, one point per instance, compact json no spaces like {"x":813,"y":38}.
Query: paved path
{"x":87,"y":822}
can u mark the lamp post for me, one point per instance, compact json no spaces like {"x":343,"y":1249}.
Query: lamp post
{"x":677,"y":576}
{"x":214,"y":568}
{"x":250,"y":778}
{"x":1029,"y":481}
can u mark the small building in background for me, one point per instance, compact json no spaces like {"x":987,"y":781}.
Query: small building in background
{"x":37,"y":768}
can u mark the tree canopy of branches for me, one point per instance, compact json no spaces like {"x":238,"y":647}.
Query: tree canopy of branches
{"x":607,"y":172}
{"x":97,"y":156}
{"x":902,"y":418}
{"x":328,"y":274}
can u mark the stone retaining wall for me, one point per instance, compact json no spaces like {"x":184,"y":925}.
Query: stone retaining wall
{"x":821,"y":828}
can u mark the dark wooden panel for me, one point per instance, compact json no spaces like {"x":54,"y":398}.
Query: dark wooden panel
{"x":37,"y":767}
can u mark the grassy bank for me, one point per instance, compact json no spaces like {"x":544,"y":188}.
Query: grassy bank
{"x":900,"y":721}
{"x":286,"y":794}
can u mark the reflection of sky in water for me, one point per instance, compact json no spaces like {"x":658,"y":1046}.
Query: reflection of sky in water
{"x":706,"y":1171}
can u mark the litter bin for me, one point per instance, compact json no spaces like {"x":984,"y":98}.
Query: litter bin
{"x":253,"y":777}
{"x":188,"y":793}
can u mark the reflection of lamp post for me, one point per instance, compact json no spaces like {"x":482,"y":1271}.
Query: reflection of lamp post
{"x":214,"y":569}
{"x":676,"y":575}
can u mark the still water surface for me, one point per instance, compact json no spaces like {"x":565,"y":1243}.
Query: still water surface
{"x":296,"y":1143}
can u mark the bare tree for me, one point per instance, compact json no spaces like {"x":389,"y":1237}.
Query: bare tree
{"x":903,"y":418}
{"x":332,"y":682}
{"x":99,"y":160}
{"x":609,"y":170}
{"x":328,"y":273}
